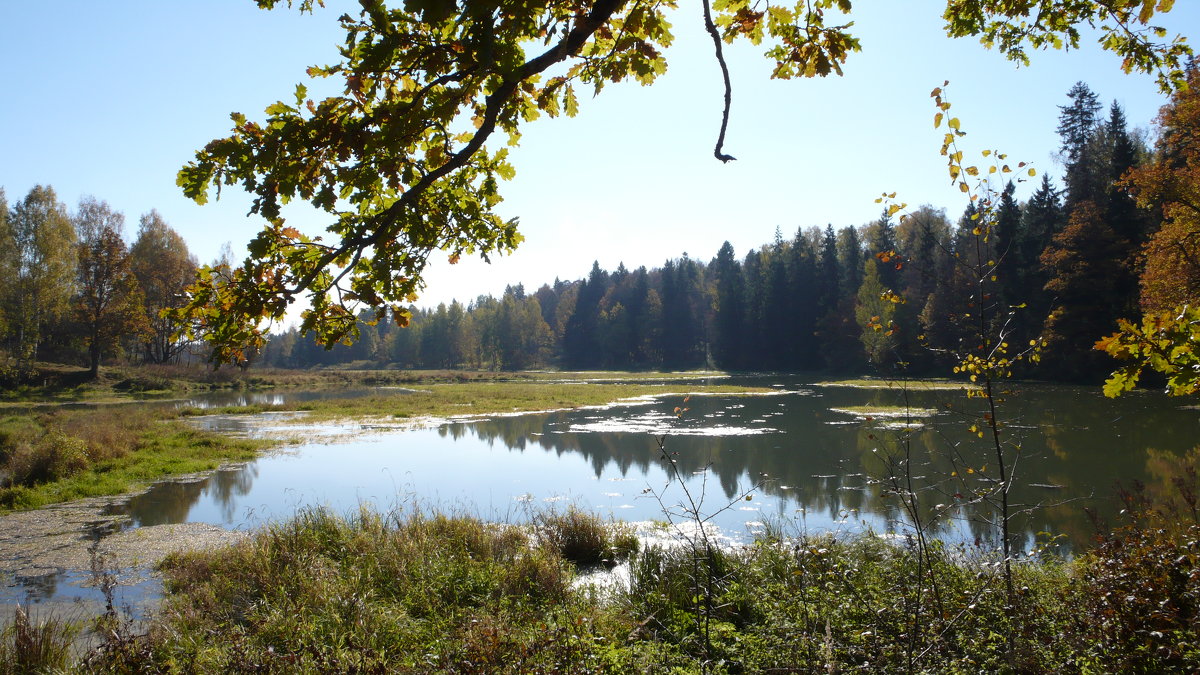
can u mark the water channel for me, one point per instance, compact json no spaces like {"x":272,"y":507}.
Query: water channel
{"x":811,"y":458}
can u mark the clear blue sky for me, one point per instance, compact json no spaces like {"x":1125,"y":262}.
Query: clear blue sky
{"x":110,"y":99}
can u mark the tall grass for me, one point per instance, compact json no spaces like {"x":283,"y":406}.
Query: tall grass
{"x":582,"y":538}
{"x":426,"y":592}
{"x":29,"y":646}
{"x":418,"y":593}
{"x":52,"y":446}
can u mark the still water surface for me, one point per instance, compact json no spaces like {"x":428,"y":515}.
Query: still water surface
{"x":816,"y":458}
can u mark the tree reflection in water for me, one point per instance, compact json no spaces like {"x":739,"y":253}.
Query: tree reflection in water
{"x":171,"y":501}
{"x":1076,"y":447}
{"x":823,"y":465}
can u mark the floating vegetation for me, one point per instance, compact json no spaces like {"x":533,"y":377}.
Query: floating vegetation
{"x":922,"y":385}
{"x":869,"y":412}
{"x":660,"y":424}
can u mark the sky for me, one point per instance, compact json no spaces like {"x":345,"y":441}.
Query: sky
{"x":111,"y":99}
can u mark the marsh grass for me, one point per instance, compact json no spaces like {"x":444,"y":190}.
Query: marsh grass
{"x":892,"y":411}
{"x":427,"y":592}
{"x":583,"y":538}
{"x":31,"y":646}
{"x":69,"y":453}
{"x":51,"y":382}
{"x":921,"y":384}
{"x":418,"y":593}
{"x":484,"y":398}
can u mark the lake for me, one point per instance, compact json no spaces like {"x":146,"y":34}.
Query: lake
{"x":809,"y":458}
{"x":812,"y":451}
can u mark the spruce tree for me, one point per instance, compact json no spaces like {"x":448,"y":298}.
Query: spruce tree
{"x":1077,"y":124}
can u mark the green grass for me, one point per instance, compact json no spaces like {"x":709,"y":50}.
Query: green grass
{"x":885,"y":411}
{"x":67,"y":453}
{"x":57,"y":383}
{"x":425,"y":593}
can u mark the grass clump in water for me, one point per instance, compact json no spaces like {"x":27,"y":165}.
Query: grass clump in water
{"x":31,"y":646}
{"x":923,"y":384}
{"x":892,"y":411}
{"x":485,"y":398}
{"x":583,"y":538}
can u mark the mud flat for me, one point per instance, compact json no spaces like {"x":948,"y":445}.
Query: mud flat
{"x":73,"y":544}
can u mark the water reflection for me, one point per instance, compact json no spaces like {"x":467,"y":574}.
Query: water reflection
{"x":825,"y":468}
{"x":172,"y":502}
{"x":242,"y":399}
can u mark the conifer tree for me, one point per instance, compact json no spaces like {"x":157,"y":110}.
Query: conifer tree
{"x":729,"y":309}
{"x":581,"y":345}
{"x":1077,"y":124}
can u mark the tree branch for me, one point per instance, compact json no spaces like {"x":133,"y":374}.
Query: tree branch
{"x":570,"y":44}
{"x":719,"y":150}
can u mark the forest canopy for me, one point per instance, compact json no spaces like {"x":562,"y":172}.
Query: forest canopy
{"x":401,"y":160}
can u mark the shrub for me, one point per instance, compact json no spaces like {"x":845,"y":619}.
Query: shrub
{"x":15,"y":373}
{"x":1139,"y":591}
{"x":55,"y":456}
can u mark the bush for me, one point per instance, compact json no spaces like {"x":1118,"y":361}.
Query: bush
{"x":15,"y":373}
{"x":1139,"y":591}
{"x":55,"y":456}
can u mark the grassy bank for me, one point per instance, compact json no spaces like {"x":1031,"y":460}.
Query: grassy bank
{"x":56,"y":456}
{"x":432,"y":593}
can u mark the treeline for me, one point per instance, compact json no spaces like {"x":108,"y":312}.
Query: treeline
{"x":1070,"y":261}
{"x":73,"y":290}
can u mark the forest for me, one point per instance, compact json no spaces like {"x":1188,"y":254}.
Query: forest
{"x":1114,"y":236}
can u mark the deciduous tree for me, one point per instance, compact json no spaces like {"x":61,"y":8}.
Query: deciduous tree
{"x":164,"y":269}
{"x":1171,"y":183}
{"x":40,"y":259}
{"x":874,"y":315}
{"x":108,"y":301}
{"x":1167,"y":339}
